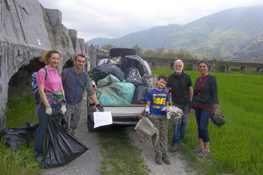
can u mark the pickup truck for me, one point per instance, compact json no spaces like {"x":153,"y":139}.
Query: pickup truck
{"x":121,"y":114}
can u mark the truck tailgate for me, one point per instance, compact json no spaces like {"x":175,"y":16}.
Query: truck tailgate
{"x":126,"y":114}
{"x":124,"y":110}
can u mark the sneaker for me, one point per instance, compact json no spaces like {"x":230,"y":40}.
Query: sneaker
{"x":158,"y":159}
{"x":40,"y":158}
{"x":175,"y":147}
{"x":165,"y":158}
{"x":204,"y":153}
{"x":198,"y":149}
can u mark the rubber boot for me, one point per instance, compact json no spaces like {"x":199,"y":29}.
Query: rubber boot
{"x":158,"y":158}
{"x":165,"y":158}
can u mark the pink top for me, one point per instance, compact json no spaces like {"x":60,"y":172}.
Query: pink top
{"x":53,"y":82}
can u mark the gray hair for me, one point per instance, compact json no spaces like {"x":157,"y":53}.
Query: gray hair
{"x":177,"y":61}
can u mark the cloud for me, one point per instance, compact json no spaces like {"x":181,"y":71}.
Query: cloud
{"x":117,"y":18}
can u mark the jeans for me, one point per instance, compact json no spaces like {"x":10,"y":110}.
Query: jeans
{"x":202,"y":120}
{"x":42,"y":128}
{"x":180,"y":127}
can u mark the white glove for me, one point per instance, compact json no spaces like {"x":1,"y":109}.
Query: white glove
{"x":48,"y":110}
{"x":63,"y":109}
{"x":217,"y":110}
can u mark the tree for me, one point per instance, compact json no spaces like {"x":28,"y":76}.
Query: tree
{"x":149,"y":53}
{"x":138,"y":50}
{"x":169,"y":54}
{"x":107,"y":46}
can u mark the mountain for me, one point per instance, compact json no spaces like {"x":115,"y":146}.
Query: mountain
{"x":224,"y":35}
{"x":252,"y":48}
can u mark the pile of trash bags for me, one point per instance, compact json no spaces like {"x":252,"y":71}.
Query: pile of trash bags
{"x":123,"y":80}
{"x":61,"y":146}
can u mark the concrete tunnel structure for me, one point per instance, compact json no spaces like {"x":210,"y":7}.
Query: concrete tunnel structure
{"x":27,"y":30}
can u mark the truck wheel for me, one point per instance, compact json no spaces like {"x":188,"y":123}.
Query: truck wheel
{"x":116,"y":52}
{"x":90,"y":124}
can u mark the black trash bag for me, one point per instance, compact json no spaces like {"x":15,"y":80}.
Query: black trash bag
{"x":140,"y":93}
{"x":103,"y":70}
{"x":60,"y":118}
{"x":61,"y":146}
{"x":132,"y":61}
{"x":219,"y":121}
{"x":132,"y":75}
{"x":14,"y":137}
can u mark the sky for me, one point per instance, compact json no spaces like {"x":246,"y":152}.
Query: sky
{"x":117,"y":18}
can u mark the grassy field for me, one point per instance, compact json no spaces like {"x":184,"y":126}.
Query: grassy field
{"x":237,"y":146}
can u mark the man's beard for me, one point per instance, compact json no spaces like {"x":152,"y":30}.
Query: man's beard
{"x":178,"y":70}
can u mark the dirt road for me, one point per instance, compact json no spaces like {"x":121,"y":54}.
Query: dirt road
{"x":89,"y":162}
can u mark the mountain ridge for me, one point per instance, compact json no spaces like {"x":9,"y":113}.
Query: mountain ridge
{"x":221,"y":35}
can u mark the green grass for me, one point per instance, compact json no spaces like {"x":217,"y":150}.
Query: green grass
{"x":237,"y":146}
{"x":19,"y":111}
{"x":119,"y":155}
{"x":21,"y":162}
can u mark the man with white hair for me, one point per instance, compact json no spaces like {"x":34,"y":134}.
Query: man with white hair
{"x":182,"y":94}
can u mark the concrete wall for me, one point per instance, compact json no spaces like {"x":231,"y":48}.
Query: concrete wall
{"x":27,"y":30}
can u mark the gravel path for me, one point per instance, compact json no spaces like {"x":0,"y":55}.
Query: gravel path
{"x":177,"y":167}
{"x":89,"y":162}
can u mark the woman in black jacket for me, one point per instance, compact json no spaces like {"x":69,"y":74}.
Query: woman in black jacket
{"x":205,"y":101}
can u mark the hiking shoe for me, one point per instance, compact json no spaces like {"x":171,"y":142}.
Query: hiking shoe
{"x":166,"y":159}
{"x":158,"y":159}
{"x":175,"y":147}
{"x":40,"y":158}
{"x":198,"y":149}
{"x":204,"y":153}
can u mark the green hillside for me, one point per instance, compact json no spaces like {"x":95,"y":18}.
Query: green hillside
{"x":223,"y":35}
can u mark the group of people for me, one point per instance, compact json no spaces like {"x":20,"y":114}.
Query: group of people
{"x":64,"y":92}
{"x":60,"y":92}
{"x":201,"y":102}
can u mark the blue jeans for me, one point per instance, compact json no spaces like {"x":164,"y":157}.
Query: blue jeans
{"x":180,"y":127}
{"x":202,"y":120}
{"x":42,"y":128}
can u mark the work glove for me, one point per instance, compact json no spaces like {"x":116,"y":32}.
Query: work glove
{"x":100,"y":108}
{"x":217,"y":110}
{"x":63,"y":109}
{"x":48,"y":110}
{"x":145,"y":112}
